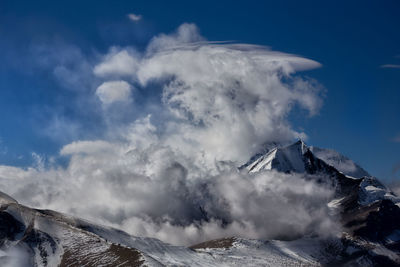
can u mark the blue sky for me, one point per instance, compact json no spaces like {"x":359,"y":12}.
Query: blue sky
{"x":358,"y":45}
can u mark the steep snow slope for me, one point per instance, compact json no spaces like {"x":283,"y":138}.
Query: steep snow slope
{"x":300,"y":158}
{"x":290,"y":159}
{"x":45,"y":238}
{"x":284,"y":159}
{"x":48,"y":238}
{"x":369,"y":211}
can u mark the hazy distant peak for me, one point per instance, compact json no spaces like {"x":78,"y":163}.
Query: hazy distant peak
{"x":340,"y":162}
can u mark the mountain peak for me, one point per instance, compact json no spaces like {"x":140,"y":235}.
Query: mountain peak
{"x":299,"y":142}
{"x":285,"y":159}
{"x":299,"y":145}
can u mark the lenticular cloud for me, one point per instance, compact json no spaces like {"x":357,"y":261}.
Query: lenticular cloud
{"x":171,"y":173}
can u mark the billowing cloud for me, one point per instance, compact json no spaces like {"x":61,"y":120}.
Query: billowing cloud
{"x":155,"y":192}
{"x":171,"y":173}
{"x":186,"y":34}
{"x":134,"y":17}
{"x":114,"y":91}
{"x":118,"y":63}
{"x":228,"y":98}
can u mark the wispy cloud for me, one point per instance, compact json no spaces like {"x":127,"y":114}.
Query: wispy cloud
{"x":390,"y":66}
{"x":3,"y":148}
{"x":396,"y":139}
{"x":134,"y":17}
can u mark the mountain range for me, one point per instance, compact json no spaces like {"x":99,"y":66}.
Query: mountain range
{"x":367,"y":211}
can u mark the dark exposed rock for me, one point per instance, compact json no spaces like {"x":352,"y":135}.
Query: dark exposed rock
{"x":217,"y":243}
{"x":9,"y":227}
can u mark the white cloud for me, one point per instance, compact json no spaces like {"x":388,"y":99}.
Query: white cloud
{"x":134,"y":17}
{"x":87,"y":147}
{"x":390,"y":66}
{"x":118,"y":63}
{"x":187,"y":33}
{"x":114,"y":91}
{"x":177,"y":180}
{"x":105,"y":183}
{"x":38,"y":161}
{"x":229,"y":98}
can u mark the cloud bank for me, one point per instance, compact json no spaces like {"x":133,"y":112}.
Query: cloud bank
{"x":169,"y":169}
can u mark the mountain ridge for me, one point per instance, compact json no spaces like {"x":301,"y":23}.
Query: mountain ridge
{"x":369,"y":214}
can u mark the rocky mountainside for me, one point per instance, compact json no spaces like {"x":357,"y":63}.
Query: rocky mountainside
{"x":369,"y":214}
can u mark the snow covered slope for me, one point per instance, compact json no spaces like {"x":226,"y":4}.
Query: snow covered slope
{"x":284,"y":159}
{"x":369,"y":214}
{"x":31,"y":237}
{"x":340,"y":162}
{"x":44,"y":238}
{"x":341,"y":171}
{"x":369,"y":211}
{"x":291,"y":159}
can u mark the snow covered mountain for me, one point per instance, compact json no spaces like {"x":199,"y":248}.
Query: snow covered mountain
{"x":340,"y":162}
{"x":293,"y":158}
{"x":300,"y":158}
{"x":368,"y":212}
{"x":32,"y":237}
